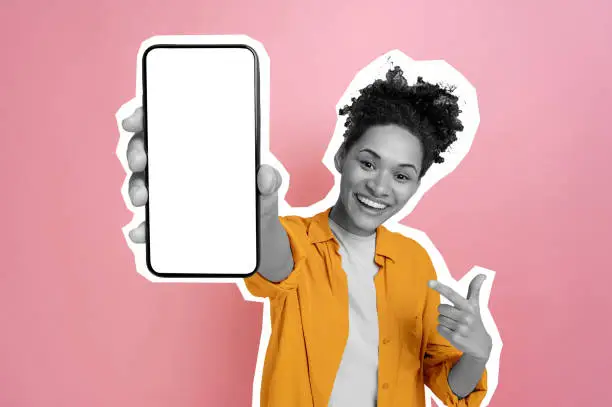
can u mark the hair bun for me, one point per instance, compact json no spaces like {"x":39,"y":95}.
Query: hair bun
{"x":395,"y":76}
{"x":428,"y":110}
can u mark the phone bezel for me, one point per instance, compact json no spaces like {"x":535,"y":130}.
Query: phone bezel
{"x":257,"y":103}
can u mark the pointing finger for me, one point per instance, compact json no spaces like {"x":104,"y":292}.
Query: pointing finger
{"x":450,"y":294}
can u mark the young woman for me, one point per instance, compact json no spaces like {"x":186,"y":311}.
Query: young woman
{"x":355,"y":308}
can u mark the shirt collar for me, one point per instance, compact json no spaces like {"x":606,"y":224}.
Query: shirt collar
{"x":319,"y":231}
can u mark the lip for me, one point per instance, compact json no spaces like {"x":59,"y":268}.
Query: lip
{"x":369,"y":209}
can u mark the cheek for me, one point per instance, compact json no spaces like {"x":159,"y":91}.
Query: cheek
{"x":404,"y":193}
{"x":350,"y":178}
{"x":346,"y":190}
{"x":345,"y":186}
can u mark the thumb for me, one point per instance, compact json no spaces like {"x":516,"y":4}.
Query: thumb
{"x":474,"y":289}
{"x":268,"y":180}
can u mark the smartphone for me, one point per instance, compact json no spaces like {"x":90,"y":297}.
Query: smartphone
{"x":201,"y":106}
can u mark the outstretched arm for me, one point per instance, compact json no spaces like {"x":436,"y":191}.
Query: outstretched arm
{"x":276,"y":256}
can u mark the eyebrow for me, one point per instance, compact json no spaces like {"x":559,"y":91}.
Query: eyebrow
{"x":367,"y":150}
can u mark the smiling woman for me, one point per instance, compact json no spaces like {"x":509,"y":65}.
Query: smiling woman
{"x":354,"y":322}
{"x":356,"y":319}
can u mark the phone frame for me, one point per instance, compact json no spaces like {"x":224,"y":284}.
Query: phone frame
{"x":257,"y":104}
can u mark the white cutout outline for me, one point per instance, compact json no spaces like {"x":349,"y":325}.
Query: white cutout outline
{"x":431,"y":71}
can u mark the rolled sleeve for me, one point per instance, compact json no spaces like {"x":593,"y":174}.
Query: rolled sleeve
{"x":440,"y":357}
{"x":259,"y":286}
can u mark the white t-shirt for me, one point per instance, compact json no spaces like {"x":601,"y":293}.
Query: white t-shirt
{"x":356,"y":383}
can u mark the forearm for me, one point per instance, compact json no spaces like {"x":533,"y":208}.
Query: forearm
{"x":465,"y":375}
{"x":276,"y":261}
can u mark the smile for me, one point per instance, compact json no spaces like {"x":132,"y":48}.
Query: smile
{"x":370,"y":203}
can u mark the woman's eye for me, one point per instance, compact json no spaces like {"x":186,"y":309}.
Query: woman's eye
{"x":366,"y":164}
{"x":403,"y":177}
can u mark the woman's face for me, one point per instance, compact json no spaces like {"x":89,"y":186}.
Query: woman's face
{"x":380,"y":173}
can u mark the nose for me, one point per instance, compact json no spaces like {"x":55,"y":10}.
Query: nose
{"x":379,"y":185}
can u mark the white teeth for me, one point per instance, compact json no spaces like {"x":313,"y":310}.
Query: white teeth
{"x":370,"y":202}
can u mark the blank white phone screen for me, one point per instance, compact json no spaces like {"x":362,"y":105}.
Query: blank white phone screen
{"x":202,"y":138}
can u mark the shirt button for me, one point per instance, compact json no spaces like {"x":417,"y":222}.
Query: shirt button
{"x":385,"y":386}
{"x":386,"y":341}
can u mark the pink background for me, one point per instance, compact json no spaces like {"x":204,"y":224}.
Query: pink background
{"x":80,"y":327}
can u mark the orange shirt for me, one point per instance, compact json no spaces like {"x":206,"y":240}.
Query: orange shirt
{"x":309,"y":318}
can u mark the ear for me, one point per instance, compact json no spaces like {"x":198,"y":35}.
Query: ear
{"x":339,"y":158}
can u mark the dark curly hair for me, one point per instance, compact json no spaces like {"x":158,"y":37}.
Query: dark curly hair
{"x":429,"y":111}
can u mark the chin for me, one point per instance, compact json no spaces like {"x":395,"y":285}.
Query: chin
{"x":365,"y":222}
